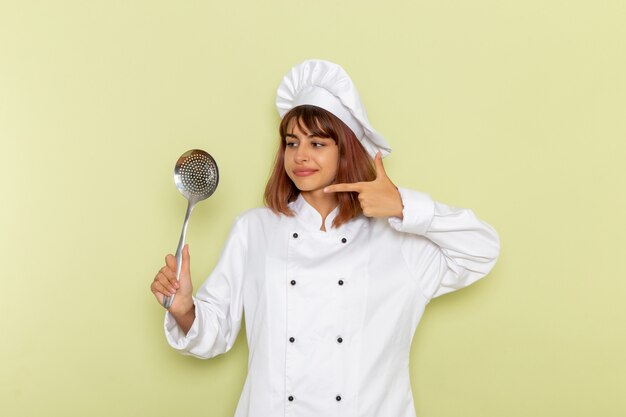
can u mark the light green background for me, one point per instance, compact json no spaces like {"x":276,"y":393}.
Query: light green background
{"x":513,"y":109}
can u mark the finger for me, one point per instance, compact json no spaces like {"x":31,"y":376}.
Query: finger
{"x":170,"y":261}
{"x":378,"y":164}
{"x":184,"y":267}
{"x":159,"y":295}
{"x":163,"y":289}
{"x":161,"y":278}
{"x":158,"y":287}
{"x":356,"y":187}
{"x":170,"y":275}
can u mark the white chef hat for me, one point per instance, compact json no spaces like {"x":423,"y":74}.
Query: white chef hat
{"x":325,"y":84}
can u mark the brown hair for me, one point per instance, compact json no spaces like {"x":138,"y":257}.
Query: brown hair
{"x":355,"y":164}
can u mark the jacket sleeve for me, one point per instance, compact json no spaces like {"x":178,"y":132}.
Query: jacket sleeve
{"x":459,"y":248}
{"x":218,"y":304}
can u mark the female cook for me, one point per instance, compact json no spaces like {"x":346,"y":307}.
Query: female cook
{"x":334,"y":274}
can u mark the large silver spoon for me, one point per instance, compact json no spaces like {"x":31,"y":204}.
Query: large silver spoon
{"x":196,"y":177}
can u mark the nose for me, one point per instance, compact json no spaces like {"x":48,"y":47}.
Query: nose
{"x":301,"y":154}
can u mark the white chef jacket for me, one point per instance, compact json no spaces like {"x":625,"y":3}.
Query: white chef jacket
{"x":330,"y":316}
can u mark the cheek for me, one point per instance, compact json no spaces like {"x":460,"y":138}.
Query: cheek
{"x":286,"y":158}
{"x":288,"y":164}
{"x":332,"y":161}
{"x":331,"y":166}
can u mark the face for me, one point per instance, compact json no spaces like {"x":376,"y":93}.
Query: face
{"x":310,"y":161}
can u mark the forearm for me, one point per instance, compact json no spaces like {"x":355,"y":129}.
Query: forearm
{"x":464,"y":248}
{"x":185,"y":319}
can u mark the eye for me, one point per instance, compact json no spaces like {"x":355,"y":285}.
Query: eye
{"x":291,"y":144}
{"x":317,"y":144}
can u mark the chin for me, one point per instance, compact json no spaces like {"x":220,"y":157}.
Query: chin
{"x":307,"y":185}
{"x":305,"y":188}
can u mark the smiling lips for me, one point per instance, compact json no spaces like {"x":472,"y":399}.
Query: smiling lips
{"x":304,"y":172}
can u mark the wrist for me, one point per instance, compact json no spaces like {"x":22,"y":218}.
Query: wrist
{"x":182,"y":310}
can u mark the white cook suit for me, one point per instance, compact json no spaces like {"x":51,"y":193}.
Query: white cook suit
{"x":330,"y":316}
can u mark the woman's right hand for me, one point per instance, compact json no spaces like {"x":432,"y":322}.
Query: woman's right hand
{"x":165,"y":284}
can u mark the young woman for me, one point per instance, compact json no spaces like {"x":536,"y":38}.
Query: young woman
{"x":334,"y":274}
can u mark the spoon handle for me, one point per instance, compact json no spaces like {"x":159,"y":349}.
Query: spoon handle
{"x":167,"y":301}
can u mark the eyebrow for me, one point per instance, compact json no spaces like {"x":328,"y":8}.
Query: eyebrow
{"x":289,"y":135}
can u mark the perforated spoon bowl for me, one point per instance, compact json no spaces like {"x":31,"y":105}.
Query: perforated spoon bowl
{"x":196,"y":177}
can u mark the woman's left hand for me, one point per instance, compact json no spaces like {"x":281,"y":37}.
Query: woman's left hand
{"x":378,"y":198}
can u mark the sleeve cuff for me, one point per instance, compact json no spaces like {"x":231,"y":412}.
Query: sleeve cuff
{"x":418,"y":212}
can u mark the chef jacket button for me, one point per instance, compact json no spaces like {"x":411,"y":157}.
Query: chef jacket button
{"x":338,"y":397}
{"x":293,"y":282}
{"x":340,"y":282}
{"x":291,"y":339}
{"x":290,"y":398}
{"x":339,"y":339}
{"x":295,"y":235}
{"x":344,"y":240}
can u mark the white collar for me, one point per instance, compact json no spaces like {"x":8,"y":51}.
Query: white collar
{"x":309,"y":217}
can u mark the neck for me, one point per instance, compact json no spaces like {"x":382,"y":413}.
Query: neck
{"x":323,"y":202}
